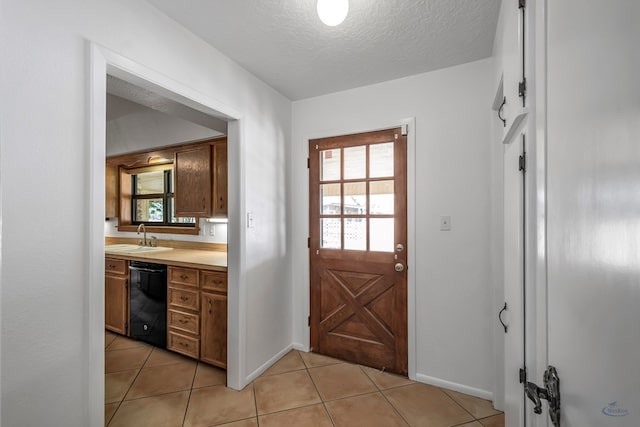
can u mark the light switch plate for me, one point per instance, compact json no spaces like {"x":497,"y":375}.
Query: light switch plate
{"x":445,"y":223}
{"x":250,"y":220}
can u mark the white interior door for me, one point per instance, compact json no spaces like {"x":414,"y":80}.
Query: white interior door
{"x":593,"y":210}
{"x":513,"y":316}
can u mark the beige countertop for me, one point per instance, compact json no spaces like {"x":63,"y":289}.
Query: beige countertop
{"x":192,"y":258}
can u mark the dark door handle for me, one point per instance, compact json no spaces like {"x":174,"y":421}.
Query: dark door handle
{"x":500,"y":317}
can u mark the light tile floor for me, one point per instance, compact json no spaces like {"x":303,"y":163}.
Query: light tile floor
{"x":148,"y":386}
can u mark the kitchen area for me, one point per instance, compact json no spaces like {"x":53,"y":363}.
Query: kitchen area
{"x":165,"y":225}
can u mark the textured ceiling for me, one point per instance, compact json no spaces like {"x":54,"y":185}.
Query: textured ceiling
{"x":284,"y":43}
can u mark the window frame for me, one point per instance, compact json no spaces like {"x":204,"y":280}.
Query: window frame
{"x":168,"y":197}
{"x":127,"y":221}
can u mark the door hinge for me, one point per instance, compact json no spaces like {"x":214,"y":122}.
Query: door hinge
{"x":522,"y":162}
{"x":522,"y":88}
{"x":308,"y":320}
{"x":522,"y":4}
{"x":523,"y":375}
{"x":308,"y":162}
{"x":308,"y":242}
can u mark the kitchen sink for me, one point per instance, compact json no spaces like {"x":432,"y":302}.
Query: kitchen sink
{"x":133,"y":249}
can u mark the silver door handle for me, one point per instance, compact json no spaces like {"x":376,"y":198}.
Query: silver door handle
{"x":399,"y":266}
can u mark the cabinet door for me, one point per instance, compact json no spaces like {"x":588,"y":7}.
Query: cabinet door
{"x":111,"y":192}
{"x":220,"y":180}
{"x":192,"y":192}
{"x":213,"y":333}
{"x":116,"y":307}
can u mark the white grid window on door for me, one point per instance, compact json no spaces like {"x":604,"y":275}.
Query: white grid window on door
{"x":357,"y":197}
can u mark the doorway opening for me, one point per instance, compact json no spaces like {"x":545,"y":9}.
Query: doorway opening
{"x":104,"y":63}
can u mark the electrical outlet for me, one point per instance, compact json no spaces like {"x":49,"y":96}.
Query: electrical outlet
{"x":445,"y":223}
{"x":212,"y":229}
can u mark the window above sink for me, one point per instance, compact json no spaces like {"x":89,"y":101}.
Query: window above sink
{"x":152,"y":197}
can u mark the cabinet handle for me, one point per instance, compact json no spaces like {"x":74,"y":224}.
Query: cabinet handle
{"x":204,"y":204}
{"x":184,"y":298}
{"x":184,"y":344}
{"x":184,"y":276}
{"x":183,"y":321}
{"x":209,"y":306}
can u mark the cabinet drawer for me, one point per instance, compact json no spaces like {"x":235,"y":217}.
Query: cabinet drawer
{"x":115,"y":266}
{"x":184,"y":298}
{"x":183,"y":276}
{"x":213,"y":281}
{"x":184,"y":321}
{"x":184,"y":345}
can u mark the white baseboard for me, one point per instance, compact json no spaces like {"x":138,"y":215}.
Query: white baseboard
{"x":483,"y":394}
{"x":300,"y":347}
{"x":266,"y":365}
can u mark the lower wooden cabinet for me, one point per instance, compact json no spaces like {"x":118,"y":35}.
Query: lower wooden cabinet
{"x":184,"y":344}
{"x":197,"y":314}
{"x":116,"y":295}
{"x":213,"y":329}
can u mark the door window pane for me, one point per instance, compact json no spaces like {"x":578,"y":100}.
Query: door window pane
{"x":355,"y":162}
{"x":355,"y":233}
{"x":330,"y":165}
{"x":331,"y":233}
{"x":381,"y":196}
{"x":381,"y":234}
{"x":355,"y":198}
{"x":330,"y":201}
{"x":149,"y":210}
{"x":381,"y":160}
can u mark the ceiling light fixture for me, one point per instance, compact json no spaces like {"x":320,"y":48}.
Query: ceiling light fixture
{"x":333,"y":12}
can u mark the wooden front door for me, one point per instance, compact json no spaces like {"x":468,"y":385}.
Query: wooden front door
{"x":358,"y":248}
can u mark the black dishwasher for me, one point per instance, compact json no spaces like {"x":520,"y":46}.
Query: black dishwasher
{"x":148,"y":303}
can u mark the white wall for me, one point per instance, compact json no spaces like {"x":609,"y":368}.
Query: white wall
{"x":44,"y":175}
{"x":454,"y":294}
{"x":147,"y":129}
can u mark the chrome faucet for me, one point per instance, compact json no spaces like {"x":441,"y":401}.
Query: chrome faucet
{"x":144,"y":230}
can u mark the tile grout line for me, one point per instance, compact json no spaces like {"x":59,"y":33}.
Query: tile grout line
{"x":130,"y":385}
{"x":193,"y":380}
{"x":324,"y":405}
{"x":397,"y":411}
{"x":255,"y":401}
{"x":381,"y":391}
{"x":457,"y":403}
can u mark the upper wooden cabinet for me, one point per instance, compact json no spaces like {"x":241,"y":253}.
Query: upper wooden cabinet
{"x":219,"y":153}
{"x":199,"y":182}
{"x":111,"y":192}
{"x":193,"y":176}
